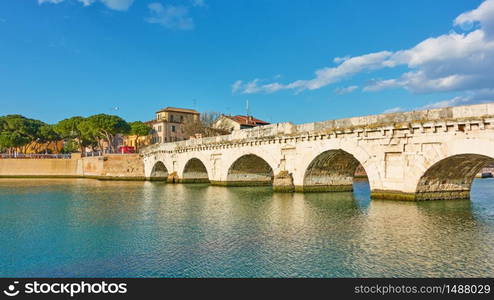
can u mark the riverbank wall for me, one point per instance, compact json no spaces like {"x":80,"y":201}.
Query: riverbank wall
{"x":107,"y":167}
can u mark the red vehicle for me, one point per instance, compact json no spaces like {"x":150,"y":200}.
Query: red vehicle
{"x":126,"y":149}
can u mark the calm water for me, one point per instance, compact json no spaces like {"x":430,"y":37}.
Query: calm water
{"x":107,"y":229}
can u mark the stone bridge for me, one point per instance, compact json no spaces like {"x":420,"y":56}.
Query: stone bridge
{"x":418,"y":155}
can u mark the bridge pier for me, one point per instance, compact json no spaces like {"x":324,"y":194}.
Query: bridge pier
{"x":283,"y":182}
{"x":240,"y":183}
{"x":172,"y":178}
{"x":323,"y":188}
{"x":403,"y":196}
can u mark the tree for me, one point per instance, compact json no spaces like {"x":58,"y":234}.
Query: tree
{"x":19,"y":131}
{"x":106,"y":127}
{"x":69,"y":129}
{"x":9,"y":140}
{"x":70,"y":146}
{"x":139,"y":129}
{"x":47,"y":135}
{"x":203,"y":126}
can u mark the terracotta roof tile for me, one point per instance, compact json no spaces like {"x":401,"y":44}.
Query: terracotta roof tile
{"x":247,"y":120}
{"x":176,"y":109}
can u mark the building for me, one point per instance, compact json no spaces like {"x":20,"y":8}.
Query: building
{"x":169,"y":124}
{"x":139,"y":141}
{"x":237,"y":122}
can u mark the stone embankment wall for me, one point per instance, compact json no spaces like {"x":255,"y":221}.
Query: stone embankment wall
{"x":113,"y":166}
{"x":40,"y":167}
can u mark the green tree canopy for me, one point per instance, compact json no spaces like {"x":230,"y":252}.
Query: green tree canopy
{"x":18,"y":131}
{"x":105,"y":127}
{"x":139,"y":129}
{"x":12,"y":139}
{"x":76,"y":129}
{"x":68,"y":128}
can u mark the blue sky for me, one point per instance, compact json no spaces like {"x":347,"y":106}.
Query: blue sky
{"x":298,"y":61}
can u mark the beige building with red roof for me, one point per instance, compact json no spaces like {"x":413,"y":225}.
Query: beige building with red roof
{"x":237,"y":122}
{"x":169,"y":124}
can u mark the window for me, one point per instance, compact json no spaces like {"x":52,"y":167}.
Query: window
{"x":159,"y":128}
{"x":171,"y":118}
{"x":173,"y":128}
{"x":181,"y":118}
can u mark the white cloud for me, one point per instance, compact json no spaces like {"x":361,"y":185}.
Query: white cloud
{"x":378,"y":84}
{"x":346,"y":90}
{"x":198,"y":3}
{"x":446,"y":63}
{"x":459,"y":100}
{"x":470,"y":97}
{"x":484,"y":14}
{"x":393,"y":110}
{"x":118,"y":4}
{"x":121,"y":5}
{"x":325,"y":76}
{"x":87,"y":2}
{"x":170,"y":16}
{"x":49,"y":1}
{"x":451,"y":62}
{"x":236,"y":86}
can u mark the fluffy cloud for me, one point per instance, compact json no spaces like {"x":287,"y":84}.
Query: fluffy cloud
{"x":347,"y":66}
{"x":170,"y":16}
{"x":484,"y":14}
{"x":346,"y":90}
{"x":118,"y":4}
{"x":450,"y":62}
{"x":470,"y":97}
{"x":121,"y":5}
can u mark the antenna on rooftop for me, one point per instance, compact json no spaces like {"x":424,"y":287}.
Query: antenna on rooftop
{"x":247,"y":107}
{"x":194,"y":103}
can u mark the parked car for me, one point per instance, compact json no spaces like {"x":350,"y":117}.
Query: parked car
{"x":126,"y":149}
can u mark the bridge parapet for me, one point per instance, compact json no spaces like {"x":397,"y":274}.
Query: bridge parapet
{"x":459,"y":118}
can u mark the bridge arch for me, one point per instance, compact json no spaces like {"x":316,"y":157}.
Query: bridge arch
{"x":448,"y":172}
{"x":250,"y":170}
{"x":331,"y":171}
{"x":195,"y":171}
{"x":451,"y":177}
{"x":159,"y":171}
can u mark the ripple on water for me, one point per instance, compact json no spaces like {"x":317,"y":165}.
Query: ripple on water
{"x":81,"y":227}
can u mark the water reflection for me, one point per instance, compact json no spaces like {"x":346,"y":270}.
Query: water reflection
{"x":97,"y":228}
